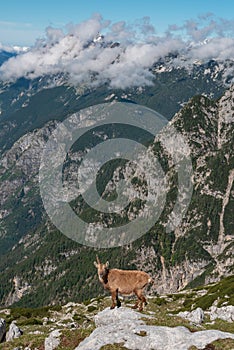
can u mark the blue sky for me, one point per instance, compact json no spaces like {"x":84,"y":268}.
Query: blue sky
{"x":21,"y":22}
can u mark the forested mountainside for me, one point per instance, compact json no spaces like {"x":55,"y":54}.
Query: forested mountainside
{"x":36,"y":257}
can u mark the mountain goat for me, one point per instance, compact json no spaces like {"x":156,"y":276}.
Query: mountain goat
{"x":125,"y":282}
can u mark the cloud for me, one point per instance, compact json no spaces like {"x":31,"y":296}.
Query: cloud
{"x":97,"y":51}
{"x":217,"y":48}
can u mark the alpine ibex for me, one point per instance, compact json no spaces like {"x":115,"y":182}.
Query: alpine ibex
{"x":125,"y":282}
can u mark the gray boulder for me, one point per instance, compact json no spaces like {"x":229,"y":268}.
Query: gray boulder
{"x":225,"y":313}
{"x":2,"y":329}
{"x":14,"y":332}
{"x":196,"y":316}
{"x":53,"y":340}
{"x":126,"y":326}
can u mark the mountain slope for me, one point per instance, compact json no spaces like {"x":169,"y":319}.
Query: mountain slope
{"x":35,"y":257}
{"x":70,"y":324}
{"x":28,"y":104}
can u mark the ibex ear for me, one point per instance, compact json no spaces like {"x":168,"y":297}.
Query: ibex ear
{"x":95,"y":264}
{"x":107,"y":264}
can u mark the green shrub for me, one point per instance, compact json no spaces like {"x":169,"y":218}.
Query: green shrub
{"x":29,"y":321}
{"x":92,"y":308}
{"x":160,"y":301}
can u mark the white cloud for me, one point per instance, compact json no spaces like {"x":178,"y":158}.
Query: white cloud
{"x":217,"y":48}
{"x":81,"y":57}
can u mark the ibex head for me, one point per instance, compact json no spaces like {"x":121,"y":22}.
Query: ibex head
{"x":102,"y":268}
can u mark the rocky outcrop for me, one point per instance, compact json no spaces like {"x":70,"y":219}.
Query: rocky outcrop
{"x":20,"y":289}
{"x":67,"y":325}
{"x":2,"y":329}
{"x":196,"y":316}
{"x":225,"y":313}
{"x":14,"y":332}
{"x":52,"y":341}
{"x":126,"y":326}
{"x":24,"y":157}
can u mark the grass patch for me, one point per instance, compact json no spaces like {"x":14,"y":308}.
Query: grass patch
{"x":33,"y":341}
{"x":41,"y":312}
{"x":29,"y":321}
{"x":178,"y":296}
{"x":92,"y":308}
{"x":221,"y":344}
{"x":160,"y":301}
{"x":221,"y":325}
{"x":69,"y":339}
{"x":221,"y":291}
{"x":162,"y":316}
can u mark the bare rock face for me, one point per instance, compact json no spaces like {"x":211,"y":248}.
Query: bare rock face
{"x":196,"y":316}
{"x":52,"y":341}
{"x":126,"y":326}
{"x":20,"y":289}
{"x":225,"y":313}
{"x":2,"y":328}
{"x":14,"y":332}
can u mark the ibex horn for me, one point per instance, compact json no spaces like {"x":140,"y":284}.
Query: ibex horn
{"x":98,"y":261}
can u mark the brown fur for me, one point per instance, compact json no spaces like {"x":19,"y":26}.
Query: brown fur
{"x":125,"y":282}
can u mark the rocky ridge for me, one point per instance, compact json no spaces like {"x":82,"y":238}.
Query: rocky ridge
{"x":92,"y":325}
{"x":124,"y":326}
